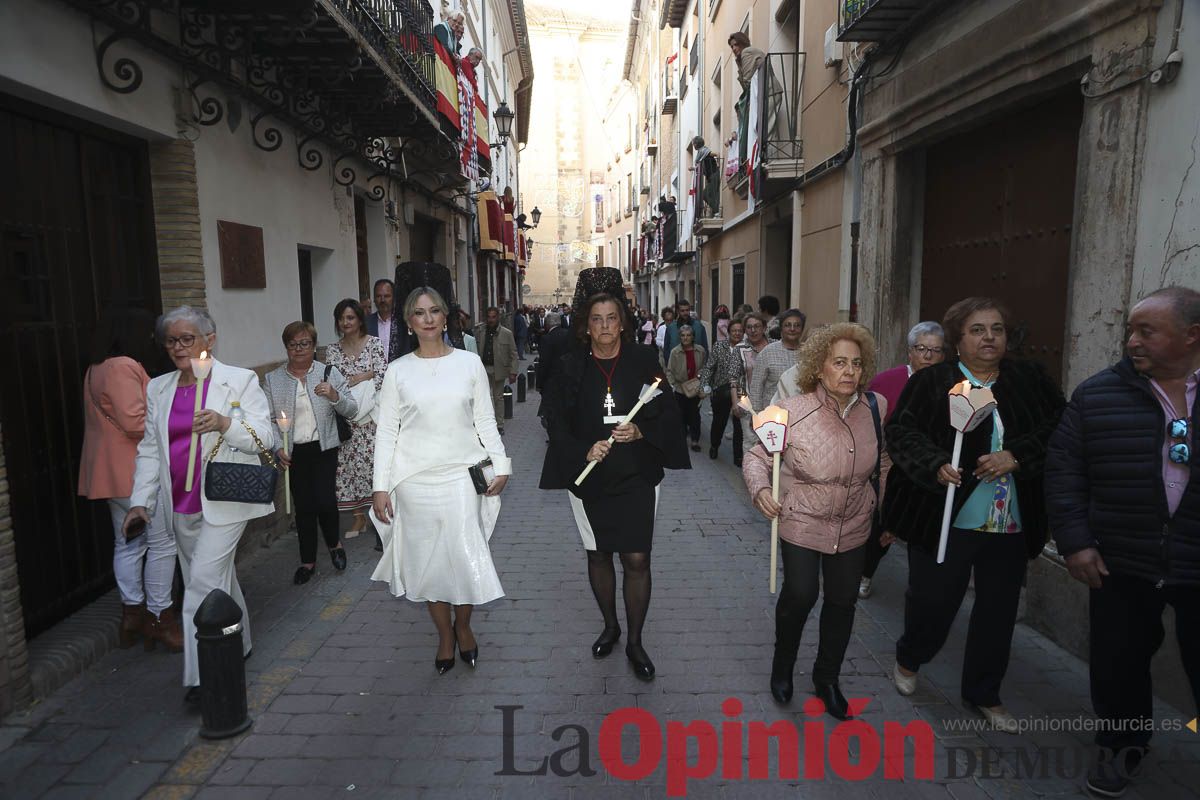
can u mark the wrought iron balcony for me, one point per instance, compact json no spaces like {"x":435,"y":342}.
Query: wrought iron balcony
{"x":669,"y":89}
{"x":876,"y":20}
{"x":706,"y":187}
{"x":348,"y":73}
{"x":781,"y":146}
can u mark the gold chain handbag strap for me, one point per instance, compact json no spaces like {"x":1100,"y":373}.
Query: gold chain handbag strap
{"x":262,"y":449}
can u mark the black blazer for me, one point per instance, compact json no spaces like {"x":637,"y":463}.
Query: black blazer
{"x":920,"y":440}
{"x":662,"y":447}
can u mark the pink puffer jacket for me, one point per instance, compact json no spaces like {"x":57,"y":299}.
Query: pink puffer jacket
{"x":825,"y":474}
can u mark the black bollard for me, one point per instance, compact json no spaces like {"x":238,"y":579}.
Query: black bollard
{"x":521,"y":387}
{"x":508,"y":408}
{"x":222,"y":668}
{"x":531,"y":376}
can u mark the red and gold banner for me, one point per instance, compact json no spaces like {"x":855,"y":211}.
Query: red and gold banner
{"x":491,"y":223}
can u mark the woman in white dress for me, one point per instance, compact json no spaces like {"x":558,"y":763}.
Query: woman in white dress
{"x":435,"y":422}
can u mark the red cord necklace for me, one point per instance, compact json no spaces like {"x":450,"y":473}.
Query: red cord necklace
{"x":609,"y":403}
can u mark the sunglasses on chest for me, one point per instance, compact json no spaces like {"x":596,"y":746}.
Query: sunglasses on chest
{"x":1180,"y":452}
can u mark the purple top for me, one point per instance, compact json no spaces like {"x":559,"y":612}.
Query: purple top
{"x":890,"y":383}
{"x":179,"y":435}
{"x":1176,"y":476}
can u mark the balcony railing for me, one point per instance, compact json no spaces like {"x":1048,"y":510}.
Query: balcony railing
{"x":781,"y":76}
{"x":876,"y":20}
{"x":401,"y":31}
{"x":706,"y":187}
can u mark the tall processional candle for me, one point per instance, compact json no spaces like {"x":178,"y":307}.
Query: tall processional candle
{"x":200,"y":368}
{"x":969,"y":406}
{"x":285,"y":425}
{"x":648,"y":394}
{"x":771,"y":426}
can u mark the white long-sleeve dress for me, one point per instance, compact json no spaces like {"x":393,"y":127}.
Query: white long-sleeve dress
{"x":435,"y":421}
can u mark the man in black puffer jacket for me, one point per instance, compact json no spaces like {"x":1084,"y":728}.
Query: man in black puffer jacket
{"x":1123,"y":500}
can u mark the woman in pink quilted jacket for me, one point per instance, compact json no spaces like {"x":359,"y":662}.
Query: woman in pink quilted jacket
{"x":829,"y":484}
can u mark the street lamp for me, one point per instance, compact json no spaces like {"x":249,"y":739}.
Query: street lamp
{"x":504,"y":120}
{"x":536,"y":214}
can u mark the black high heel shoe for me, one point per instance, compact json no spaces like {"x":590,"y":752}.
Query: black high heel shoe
{"x":444,"y":665}
{"x":835,"y":702}
{"x":781,"y":680}
{"x":469,"y":657}
{"x":643,"y":667}
{"x":604,"y":645}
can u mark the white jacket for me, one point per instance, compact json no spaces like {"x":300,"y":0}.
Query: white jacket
{"x":152,"y":469}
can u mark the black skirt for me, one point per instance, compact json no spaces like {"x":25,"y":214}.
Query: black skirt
{"x":623,"y":523}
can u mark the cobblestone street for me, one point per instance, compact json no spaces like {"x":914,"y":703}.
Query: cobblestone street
{"x":346,"y":703}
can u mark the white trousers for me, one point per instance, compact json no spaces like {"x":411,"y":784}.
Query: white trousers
{"x":206,"y":553}
{"x":149,"y":583}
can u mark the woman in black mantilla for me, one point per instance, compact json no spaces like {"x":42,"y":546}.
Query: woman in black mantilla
{"x":598,"y":383}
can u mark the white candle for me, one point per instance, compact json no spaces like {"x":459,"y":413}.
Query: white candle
{"x":200,"y":368}
{"x":774,"y":522}
{"x":645,"y":398}
{"x":969,"y":407}
{"x":285,"y":425}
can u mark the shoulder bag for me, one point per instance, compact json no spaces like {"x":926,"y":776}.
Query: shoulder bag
{"x":877,"y":517}
{"x":343,"y":424}
{"x":241,"y":483}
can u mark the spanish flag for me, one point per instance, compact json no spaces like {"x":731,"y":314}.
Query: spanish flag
{"x":445,"y":81}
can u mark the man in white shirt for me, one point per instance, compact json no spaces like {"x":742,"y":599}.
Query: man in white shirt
{"x":380,"y":323}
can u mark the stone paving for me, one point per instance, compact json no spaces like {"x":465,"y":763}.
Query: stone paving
{"x":346,"y":702}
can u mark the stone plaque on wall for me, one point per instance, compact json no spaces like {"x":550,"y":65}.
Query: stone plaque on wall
{"x":243,"y":258}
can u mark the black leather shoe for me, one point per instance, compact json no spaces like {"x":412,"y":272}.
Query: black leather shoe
{"x":338,"y":557}
{"x":781,"y":679}
{"x":443,"y":665}
{"x":192,"y":698}
{"x":378,"y":543}
{"x":469,"y":657}
{"x":303,"y":574}
{"x":737,"y":461}
{"x":1111,"y":774}
{"x":835,"y":702}
{"x":604,"y":645}
{"x":712,"y":452}
{"x":643,"y":667}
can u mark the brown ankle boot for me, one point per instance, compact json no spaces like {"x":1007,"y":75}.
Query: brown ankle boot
{"x":132,"y":625}
{"x":166,"y":629}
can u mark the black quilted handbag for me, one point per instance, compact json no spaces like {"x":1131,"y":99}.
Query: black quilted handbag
{"x":241,"y":483}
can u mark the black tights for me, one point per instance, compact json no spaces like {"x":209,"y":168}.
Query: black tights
{"x":635,"y":587}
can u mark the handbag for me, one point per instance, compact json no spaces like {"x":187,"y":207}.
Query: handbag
{"x":233,"y":482}
{"x":690,"y":388}
{"x":877,"y":516}
{"x":345,"y":430}
{"x":482,"y":475}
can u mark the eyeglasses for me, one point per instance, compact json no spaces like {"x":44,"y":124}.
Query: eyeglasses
{"x":187,"y":340}
{"x":1179,"y":453}
{"x":303,"y":344}
{"x":922,"y":350}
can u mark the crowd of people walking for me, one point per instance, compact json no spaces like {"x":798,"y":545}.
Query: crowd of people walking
{"x":400,"y":426}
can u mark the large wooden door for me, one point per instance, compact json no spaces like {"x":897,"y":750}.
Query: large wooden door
{"x":999,"y":202}
{"x":76,"y":233}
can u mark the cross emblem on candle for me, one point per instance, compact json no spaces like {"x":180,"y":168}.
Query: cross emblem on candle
{"x":771,"y":436}
{"x":609,"y":404}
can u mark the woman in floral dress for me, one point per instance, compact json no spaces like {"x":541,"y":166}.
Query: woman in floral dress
{"x":359,"y":356}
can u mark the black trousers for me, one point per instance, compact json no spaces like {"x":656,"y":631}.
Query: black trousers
{"x":722,"y":406}
{"x":875,"y":554}
{"x":802,"y":569}
{"x":1127,"y":630}
{"x":313,"y":478}
{"x":689,"y":409}
{"x":935,"y":593}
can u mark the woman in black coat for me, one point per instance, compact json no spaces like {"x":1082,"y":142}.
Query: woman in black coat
{"x":595,"y":386}
{"x":998,"y":520}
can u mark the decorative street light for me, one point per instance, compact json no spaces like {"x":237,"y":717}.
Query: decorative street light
{"x":504,"y":120}
{"x":536,"y":214}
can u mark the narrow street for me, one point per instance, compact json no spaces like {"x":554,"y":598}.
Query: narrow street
{"x":346,"y":702}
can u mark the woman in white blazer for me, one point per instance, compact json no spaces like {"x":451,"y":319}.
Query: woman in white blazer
{"x":206,"y":531}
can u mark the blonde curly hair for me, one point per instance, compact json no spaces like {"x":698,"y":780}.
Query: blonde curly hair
{"x":815,"y":350}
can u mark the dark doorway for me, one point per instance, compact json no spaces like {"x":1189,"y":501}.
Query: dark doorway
{"x":76,"y":233}
{"x":423,"y":236}
{"x":999,"y":202}
{"x":715,"y":291}
{"x":738,"y":285}
{"x":360,"y":240}
{"x":304,"y":258}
